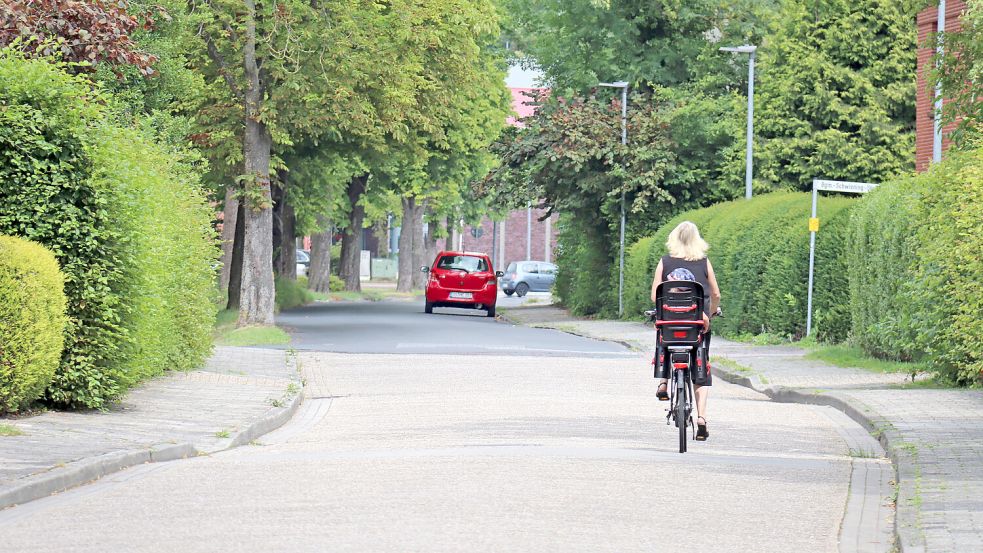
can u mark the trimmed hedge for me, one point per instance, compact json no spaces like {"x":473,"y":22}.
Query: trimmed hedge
{"x":916,"y":269}
{"x":167,"y":259}
{"x":760,"y":254}
{"x":124,"y":218}
{"x":32,"y":321}
{"x":585,"y":281}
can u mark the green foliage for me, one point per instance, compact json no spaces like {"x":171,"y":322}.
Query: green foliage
{"x":49,"y":197}
{"x":335,"y":284}
{"x":290,"y":293}
{"x":638,"y":270}
{"x":123,"y":218}
{"x":579,"y":43}
{"x":836,"y":94}
{"x":168,"y":255}
{"x":32,"y":321}
{"x":914,"y":251}
{"x":760,"y":252}
{"x":584,"y":259}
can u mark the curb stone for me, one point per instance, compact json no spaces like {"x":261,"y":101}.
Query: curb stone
{"x":84,"y":471}
{"x":630,"y":346}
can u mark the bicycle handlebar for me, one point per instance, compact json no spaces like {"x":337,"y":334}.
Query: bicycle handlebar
{"x":651,"y":314}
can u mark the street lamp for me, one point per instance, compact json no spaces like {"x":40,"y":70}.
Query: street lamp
{"x":747,"y":49}
{"x":624,"y":141}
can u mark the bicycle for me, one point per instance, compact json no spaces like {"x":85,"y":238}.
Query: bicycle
{"x":679,"y":333}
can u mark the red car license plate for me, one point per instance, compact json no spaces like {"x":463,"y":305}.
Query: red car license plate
{"x":460,"y":295}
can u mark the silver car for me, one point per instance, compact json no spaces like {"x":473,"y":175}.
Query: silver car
{"x":528,"y":276}
{"x":303,"y":262}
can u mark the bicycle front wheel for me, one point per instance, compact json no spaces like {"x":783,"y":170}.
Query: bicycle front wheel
{"x":681,"y":401}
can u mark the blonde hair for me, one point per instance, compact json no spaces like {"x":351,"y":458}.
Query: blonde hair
{"x":685,"y":242}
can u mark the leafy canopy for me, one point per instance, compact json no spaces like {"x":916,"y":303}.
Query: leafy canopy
{"x":836,"y":94}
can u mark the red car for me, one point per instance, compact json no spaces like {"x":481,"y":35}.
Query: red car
{"x":462,"y":279}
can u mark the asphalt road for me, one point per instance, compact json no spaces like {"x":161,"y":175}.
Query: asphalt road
{"x":403,"y":327}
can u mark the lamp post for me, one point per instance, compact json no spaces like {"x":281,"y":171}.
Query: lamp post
{"x":747,"y":49}
{"x":624,"y":141}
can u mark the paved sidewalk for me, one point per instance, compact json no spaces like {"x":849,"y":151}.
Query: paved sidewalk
{"x":241,"y":393}
{"x":935,"y":437}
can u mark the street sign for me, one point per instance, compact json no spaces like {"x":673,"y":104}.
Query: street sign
{"x":842,"y":186}
{"x":825,"y":186}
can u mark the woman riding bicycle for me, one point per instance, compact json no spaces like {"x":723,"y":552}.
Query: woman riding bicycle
{"x":687,"y":260}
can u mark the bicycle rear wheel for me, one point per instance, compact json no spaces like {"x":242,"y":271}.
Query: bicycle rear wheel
{"x":681,"y":401}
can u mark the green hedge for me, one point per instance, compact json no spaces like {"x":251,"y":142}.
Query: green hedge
{"x":168,"y":254}
{"x":585,"y":276}
{"x":32,"y":321}
{"x":123,"y":217}
{"x":916,"y":269}
{"x":760,"y":253}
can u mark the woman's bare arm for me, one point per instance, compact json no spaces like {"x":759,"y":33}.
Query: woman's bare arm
{"x":657,"y":280}
{"x":714,"y":288}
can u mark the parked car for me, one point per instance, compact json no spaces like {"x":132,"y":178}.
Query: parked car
{"x":528,"y":276}
{"x":303,"y":262}
{"x":461,"y":279}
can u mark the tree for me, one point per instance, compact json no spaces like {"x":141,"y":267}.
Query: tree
{"x":293,"y":71}
{"x":579,"y":43}
{"x":83,"y":32}
{"x":458,"y":110}
{"x":836,"y":93}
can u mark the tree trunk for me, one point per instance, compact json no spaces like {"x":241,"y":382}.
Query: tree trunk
{"x":452,"y":235}
{"x":257,"y":297}
{"x":319,"y":273}
{"x":419,"y":247}
{"x":284,"y":236}
{"x":404,"y":282}
{"x":381,"y":232}
{"x":351,"y":241}
{"x":276,"y":194}
{"x":430,"y":245}
{"x":230,"y":214}
{"x":235,"y":269}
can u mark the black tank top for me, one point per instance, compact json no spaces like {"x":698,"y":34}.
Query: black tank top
{"x":697,"y":268}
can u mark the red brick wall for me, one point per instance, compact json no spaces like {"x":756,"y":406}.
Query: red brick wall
{"x":515,"y":238}
{"x":925,"y":98}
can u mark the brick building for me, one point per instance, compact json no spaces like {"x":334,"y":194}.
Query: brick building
{"x":928,"y":22}
{"x":519,"y":237}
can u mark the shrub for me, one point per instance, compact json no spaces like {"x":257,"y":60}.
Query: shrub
{"x":585,"y":282}
{"x":915,"y":274}
{"x":32,"y":321}
{"x":49,"y":197}
{"x":125,"y":221}
{"x":169,"y":249}
{"x":335,"y":284}
{"x":290,"y":293}
{"x":760,"y":252}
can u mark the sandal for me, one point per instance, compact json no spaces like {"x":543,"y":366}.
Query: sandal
{"x":701,"y":430}
{"x":663,"y":393}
